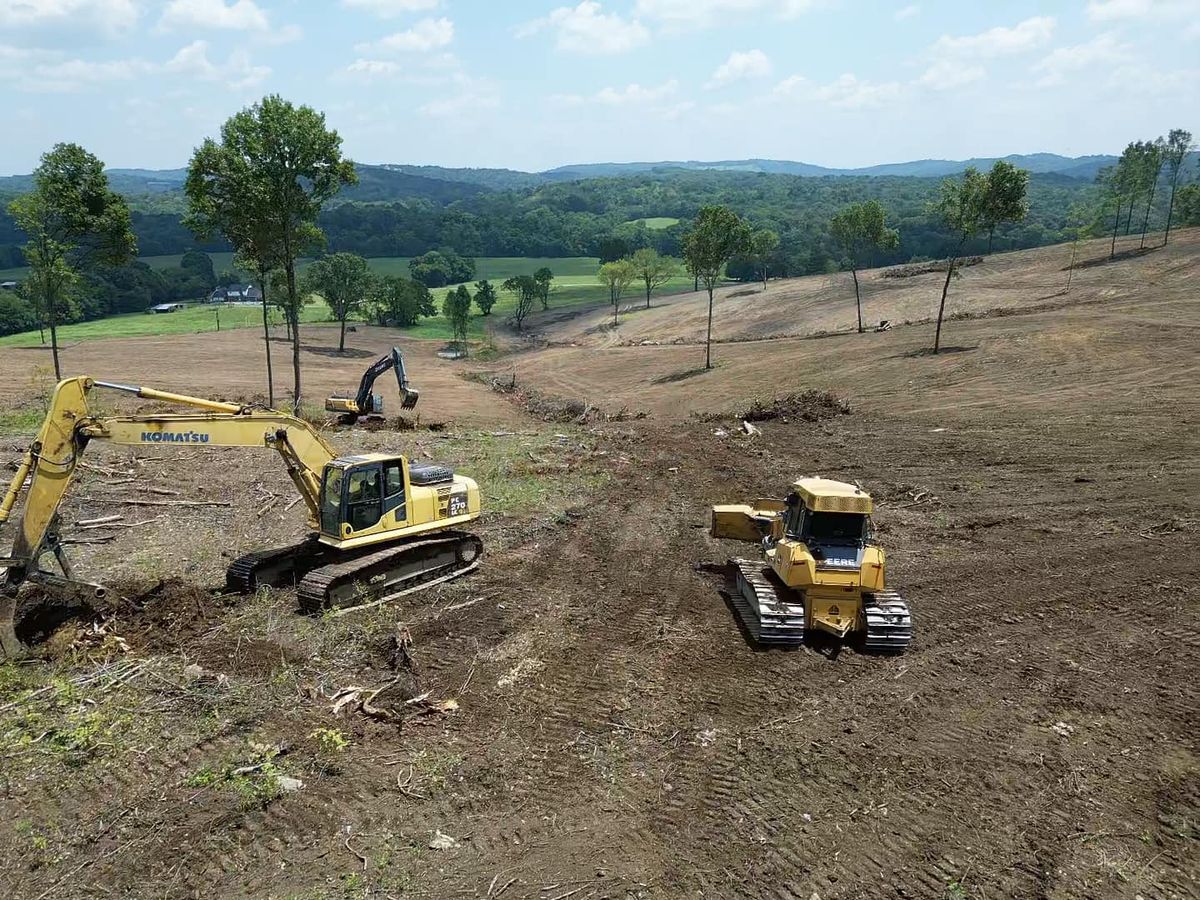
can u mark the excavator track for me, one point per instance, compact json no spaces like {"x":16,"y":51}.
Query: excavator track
{"x":394,"y":570}
{"x":275,"y":567}
{"x":889,"y":622}
{"x":770,"y":612}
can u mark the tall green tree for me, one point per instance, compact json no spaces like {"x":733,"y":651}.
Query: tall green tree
{"x":456,"y":307}
{"x":280,"y":163}
{"x":1007,"y":197}
{"x":73,"y":222}
{"x":961,"y":209}
{"x":485,"y":296}
{"x":717,"y":235}
{"x":653,"y":269}
{"x":760,"y":250}
{"x":1154,"y":155}
{"x":1179,"y":144}
{"x":544,"y":277}
{"x":344,"y":280}
{"x":525,"y":292}
{"x":399,"y":302}
{"x":861,"y":229}
{"x":616,"y":276}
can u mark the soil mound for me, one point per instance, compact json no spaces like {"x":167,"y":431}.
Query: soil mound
{"x":808,"y":406}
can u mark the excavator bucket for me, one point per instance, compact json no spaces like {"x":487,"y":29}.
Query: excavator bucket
{"x":408,"y":397}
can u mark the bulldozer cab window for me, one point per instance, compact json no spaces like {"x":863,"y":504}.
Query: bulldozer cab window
{"x":364,"y":496}
{"x":838,"y":528}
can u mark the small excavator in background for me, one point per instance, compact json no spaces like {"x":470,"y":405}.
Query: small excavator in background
{"x":368,"y":407}
{"x":380,"y":526}
{"x":822,"y":570}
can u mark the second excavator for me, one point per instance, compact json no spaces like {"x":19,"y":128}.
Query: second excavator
{"x":379,"y":525}
{"x":366,"y":406}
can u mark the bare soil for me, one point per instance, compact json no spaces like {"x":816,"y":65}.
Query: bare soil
{"x":615,"y":736}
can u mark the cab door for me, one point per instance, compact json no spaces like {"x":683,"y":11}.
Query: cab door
{"x":395,"y":491}
{"x":363,"y":504}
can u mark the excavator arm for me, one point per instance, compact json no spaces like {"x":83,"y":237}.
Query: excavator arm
{"x":362,"y":405}
{"x":45,"y":472}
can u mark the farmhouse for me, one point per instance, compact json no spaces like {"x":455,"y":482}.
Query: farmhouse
{"x":235,"y":293}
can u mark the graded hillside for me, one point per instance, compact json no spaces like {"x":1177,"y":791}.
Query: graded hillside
{"x":594,"y":723}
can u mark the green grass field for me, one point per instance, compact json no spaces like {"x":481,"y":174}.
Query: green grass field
{"x":574,"y":284}
{"x":655,"y":223}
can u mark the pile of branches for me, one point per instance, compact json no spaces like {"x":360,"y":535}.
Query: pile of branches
{"x":937,"y":265}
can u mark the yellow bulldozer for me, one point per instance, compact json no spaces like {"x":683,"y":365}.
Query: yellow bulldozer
{"x":380,"y":526}
{"x":822,"y":568}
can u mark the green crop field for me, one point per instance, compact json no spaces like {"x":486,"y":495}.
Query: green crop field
{"x":655,"y":223}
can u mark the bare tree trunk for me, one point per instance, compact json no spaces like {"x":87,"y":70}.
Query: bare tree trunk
{"x":764,"y":277}
{"x":857,"y":298}
{"x":991,"y":234}
{"x":1112,"y":250}
{"x":1146,"y":218}
{"x":937,"y":336}
{"x":342,"y":339}
{"x":262,"y":289}
{"x":708,"y":337}
{"x":1071,"y":268}
{"x":695,"y":283}
{"x":294,"y":315}
{"x":1129,"y":217}
{"x":54,"y":350}
{"x":647,"y":295}
{"x":1170,"y":209}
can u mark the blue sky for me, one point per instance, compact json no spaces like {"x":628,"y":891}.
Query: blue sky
{"x":536,"y":83}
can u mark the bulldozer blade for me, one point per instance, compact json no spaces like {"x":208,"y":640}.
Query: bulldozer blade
{"x":409,"y":398}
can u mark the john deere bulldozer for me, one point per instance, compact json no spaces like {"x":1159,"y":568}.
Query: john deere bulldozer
{"x":821,"y":568}
{"x":380,"y":526}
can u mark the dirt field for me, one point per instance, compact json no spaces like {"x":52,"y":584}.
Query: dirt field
{"x":1039,"y":498}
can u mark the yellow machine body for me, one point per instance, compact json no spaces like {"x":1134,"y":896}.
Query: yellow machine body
{"x":829,"y":579}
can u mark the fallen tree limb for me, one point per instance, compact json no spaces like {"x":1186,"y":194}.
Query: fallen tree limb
{"x":128,"y":502}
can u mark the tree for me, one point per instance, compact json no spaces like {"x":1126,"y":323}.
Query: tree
{"x":1189,"y":204}
{"x":399,"y":302}
{"x":485,"y":296}
{"x":717,"y":235}
{"x":1150,"y":162}
{"x":543,"y":277}
{"x":617,"y":276}
{"x":961,"y":209}
{"x":457,"y":309}
{"x":652,"y":269}
{"x":759,"y":251}
{"x":344,"y":280}
{"x":613,"y":248}
{"x":73,"y":221}
{"x":438,"y":268}
{"x":1006,"y":199}
{"x":860,"y":229}
{"x":277,"y":165}
{"x":15,"y":314}
{"x":524,"y":290}
{"x":1179,"y":144}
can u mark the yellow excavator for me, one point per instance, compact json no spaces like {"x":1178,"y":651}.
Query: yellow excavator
{"x":366,"y":406}
{"x":822,"y":568}
{"x":380,"y":526}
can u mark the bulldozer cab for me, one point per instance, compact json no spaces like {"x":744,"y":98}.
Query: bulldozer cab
{"x":357,"y":493}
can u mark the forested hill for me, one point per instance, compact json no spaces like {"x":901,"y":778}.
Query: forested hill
{"x":573,"y":218}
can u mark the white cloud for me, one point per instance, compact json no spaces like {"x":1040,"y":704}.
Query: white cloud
{"x":373,"y":67}
{"x":629,"y":95}
{"x":389,"y":9}
{"x":740,"y":65}
{"x":239,"y":15}
{"x":1000,"y":41}
{"x":586,"y":28}
{"x":906,"y":12}
{"x":705,"y":13}
{"x":844,"y":92}
{"x":474,"y":95}
{"x":951,"y":73}
{"x":106,"y":15}
{"x":424,"y":36}
{"x":1115,"y":10}
{"x":237,"y":71}
{"x":423,"y":69}
{"x":1102,"y":49}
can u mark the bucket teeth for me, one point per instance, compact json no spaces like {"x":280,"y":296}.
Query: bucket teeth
{"x":772,"y":614}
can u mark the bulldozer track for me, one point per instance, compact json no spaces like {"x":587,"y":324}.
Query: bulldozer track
{"x":889,"y":622}
{"x":769,"y":615}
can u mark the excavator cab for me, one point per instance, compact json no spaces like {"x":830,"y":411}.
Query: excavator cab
{"x":368,"y":496}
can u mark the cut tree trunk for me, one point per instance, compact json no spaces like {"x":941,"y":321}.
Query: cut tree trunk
{"x":708,"y":337}
{"x":937,"y":335}
{"x":342,"y":338}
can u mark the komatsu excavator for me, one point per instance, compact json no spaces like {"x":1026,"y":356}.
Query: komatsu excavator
{"x":366,"y":406}
{"x":822,"y":571}
{"x":380,"y":526}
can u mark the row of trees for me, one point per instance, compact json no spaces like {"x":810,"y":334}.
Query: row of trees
{"x":1130,"y":186}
